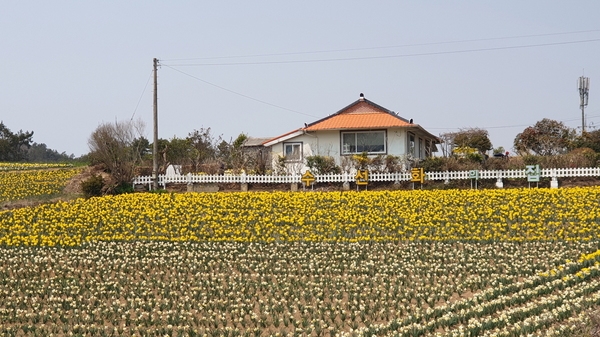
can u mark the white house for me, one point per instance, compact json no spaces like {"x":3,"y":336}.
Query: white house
{"x":362,"y":126}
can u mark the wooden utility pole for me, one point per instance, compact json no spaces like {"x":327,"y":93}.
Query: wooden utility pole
{"x":155,"y":142}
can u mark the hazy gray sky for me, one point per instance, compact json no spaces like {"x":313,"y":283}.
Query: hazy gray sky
{"x":266,"y":67}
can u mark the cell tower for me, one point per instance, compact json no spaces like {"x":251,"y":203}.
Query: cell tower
{"x":584,"y":88}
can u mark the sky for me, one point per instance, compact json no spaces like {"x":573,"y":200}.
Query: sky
{"x":264,"y":68}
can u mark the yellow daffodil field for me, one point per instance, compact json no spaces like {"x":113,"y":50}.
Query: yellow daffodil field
{"x":21,"y":181}
{"x":514,"y":262}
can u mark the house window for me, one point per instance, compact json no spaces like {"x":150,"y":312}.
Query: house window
{"x":292,"y":151}
{"x":411,"y":144}
{"x":371,"y":142}
{"x":428,"y":148}
{"x":420,"y":148}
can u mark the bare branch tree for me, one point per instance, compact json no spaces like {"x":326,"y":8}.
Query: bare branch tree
{"x":112,"y":144}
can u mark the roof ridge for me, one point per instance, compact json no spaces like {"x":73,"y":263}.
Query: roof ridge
{"x":362,"y":99}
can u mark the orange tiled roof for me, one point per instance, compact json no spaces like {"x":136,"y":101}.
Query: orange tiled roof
{"x":361,"y":114}
{"x":369,"y":120}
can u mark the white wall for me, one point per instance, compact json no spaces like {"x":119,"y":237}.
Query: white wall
{"x":327,"y":143}
{"x":396,"y":142}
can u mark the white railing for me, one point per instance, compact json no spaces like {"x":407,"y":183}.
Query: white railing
{"x":350,"y":177}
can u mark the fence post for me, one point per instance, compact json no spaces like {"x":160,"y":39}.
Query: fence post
{"x":554,"y":181}
{"x":499,"y":182}
{"x":346,"y":183}
{"x":243,"y":183}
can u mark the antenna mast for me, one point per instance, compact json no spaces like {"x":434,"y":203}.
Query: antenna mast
{"x":584,"y":88}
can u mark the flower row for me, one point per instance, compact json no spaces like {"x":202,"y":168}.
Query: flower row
{"x":373,"y":216}
{"x":31,"y":166}
{"x":301,"y":288}
{"x":19,"y":185}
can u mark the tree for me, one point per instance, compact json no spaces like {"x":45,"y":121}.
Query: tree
{"x":322,"y":165}
{"x":588,"y":139}
{"x":40,"y":153}
{"x":14,"y":146}
{"x":204,"y":144}
{"x":113,"y":145}
{"x":474,"y":138}
{"x":447,"y":142}
{"x":141,"y":146}
{"x":234,"y":155}
{"x":546,"y":138}
{"x":180,"y":151}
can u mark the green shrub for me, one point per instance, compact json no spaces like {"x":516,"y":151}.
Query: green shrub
{"x":93,"y":186}
{"x":322,"y":165}
{"x":123,"y":188}
{"x":392,"y":164}
{"x":433,"y":164}
{"x":531,"y":159}
{"x":475,"y":157}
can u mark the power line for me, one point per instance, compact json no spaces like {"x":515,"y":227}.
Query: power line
{"x":142,"y":95}
{"x":305,"y":114}
{"x":512,"y":126}
{"x":237,"y":93}
{"x":390,"y":56}
{"x":386,"y":47}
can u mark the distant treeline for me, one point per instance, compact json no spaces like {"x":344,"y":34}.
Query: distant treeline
{"x":19,"y":147}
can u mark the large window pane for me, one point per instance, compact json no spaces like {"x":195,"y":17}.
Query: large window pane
{"x":359,"y":142}
{"x":292,"y":151}
{"x":370,"y":142}
{"x":411,"y":144}
{"x":348,"y":143}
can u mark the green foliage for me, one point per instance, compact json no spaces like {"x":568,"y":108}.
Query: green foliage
{"x":392,"y":163}
{"x":204,"y":144}
{"x":475,"y":157}
{"x":468,"y":153}
{"x":473,"y":138}
{"x":589,"y":140}
{"x":499,"y":150}
{"x":179,"y":151}
{"x":40,"y":153}
{"x":123,"y":188}
{"x":141,"y":147}
{"x":531,"y":160}
{"x":361,"y":161}
{"x":14,"y":146}
{"x":280,"y":167}
{"x":239,"y":141}
{"x":433,"y":164}
{"x":546,"y":138}
{"x":93,"y":186}
{"x":322,"y":165}
{"x":159,"y":191}
{"x":375,"y":164}
{"x":233,"y":154}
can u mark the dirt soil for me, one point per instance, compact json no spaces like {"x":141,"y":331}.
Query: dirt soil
{"x":74,"y":185}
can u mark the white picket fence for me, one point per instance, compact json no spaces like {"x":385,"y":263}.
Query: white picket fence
{"x":350,"y":177}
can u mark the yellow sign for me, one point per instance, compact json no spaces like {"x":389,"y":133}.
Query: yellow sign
{"x":308,"y":178}
{"x":417,"y":175}
{"x":362,"y":177}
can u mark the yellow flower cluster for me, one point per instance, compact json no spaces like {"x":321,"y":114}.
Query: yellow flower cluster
{"x":17,"y":185}
{"x":516,"y":215}
{"x":31,"y":166}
